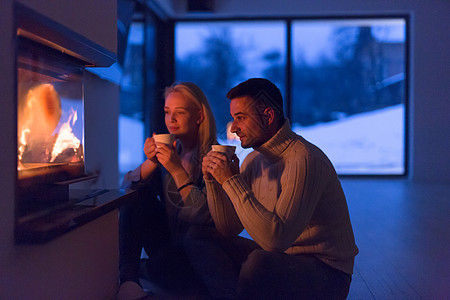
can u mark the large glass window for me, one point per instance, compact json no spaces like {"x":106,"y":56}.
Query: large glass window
{"x":348,"y":92}
{"x":347,"y":89}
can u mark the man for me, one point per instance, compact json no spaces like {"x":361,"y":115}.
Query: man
{"x":289,"y":199}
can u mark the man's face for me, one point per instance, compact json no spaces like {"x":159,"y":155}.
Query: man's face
{"x":248,"y":123}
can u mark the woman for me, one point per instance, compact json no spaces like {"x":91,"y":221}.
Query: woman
{"x":172,"y":197}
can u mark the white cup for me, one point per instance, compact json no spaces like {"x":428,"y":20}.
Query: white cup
{"x":227,"y":150}
{"x":165,"y":138}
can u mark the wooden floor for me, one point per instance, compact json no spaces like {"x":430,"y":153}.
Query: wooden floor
{"x":402,"y":231}
{"x":403,"y":234}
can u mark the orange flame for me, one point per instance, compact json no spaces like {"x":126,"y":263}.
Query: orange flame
{"x":38,"y":117}
{"x":23,"y":142}
{"x":66,"y":139}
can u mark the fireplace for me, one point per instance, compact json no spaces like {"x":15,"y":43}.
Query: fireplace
{"x":50,"y":125}
{"x":50,"y":78}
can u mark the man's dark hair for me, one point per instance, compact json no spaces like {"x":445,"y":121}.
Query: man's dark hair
{"x":263,"y":92}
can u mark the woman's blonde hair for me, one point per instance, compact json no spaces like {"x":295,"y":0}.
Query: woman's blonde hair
{"x":207,"y":130}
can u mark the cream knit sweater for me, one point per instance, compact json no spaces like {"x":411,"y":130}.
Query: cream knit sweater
{"x":288,"y":198}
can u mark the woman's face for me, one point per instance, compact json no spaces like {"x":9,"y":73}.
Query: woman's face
{"x":182,"y":117}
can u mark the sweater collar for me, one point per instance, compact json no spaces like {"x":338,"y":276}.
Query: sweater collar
{"x":276,"y":145}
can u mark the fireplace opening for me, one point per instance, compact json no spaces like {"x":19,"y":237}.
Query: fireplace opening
{"x":50,"y":126}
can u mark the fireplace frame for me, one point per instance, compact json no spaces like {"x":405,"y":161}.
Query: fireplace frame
{"x":59,"y":208}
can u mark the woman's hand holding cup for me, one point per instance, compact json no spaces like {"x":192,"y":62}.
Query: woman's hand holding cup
{"x":166,"y":153}
{"x":150,"y":149}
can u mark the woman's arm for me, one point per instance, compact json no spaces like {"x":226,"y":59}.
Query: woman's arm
{"x":151,"y":164}
{"x":171,"y":161}
{"x":146,"y":169}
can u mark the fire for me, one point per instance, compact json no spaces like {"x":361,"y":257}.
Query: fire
{"x":23,"y":141}
{"x":66,"y":139}
{"x":40,"y":112}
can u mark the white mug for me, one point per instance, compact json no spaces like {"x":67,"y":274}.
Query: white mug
{"x":227,"y":150}
{"x":165,"y":138}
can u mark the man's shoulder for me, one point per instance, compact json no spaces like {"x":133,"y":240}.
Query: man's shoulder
{"x":251,"y":157}
{"x":302,"y":148}
{"x":299,"y":147}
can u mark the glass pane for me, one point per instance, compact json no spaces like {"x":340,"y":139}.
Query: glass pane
{"x":132,"y":80}
{"x":50,"y":112}
{"x":219,"y":55}
{"x":349,"y":92}
{"x":131,"y":127}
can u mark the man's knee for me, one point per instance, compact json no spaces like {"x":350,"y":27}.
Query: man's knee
{"x":258,"y":261}
{"x":255,"y":269}
{"x":254,"y":277}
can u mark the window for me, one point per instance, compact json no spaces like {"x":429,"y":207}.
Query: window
{"x":346,"y":84}
{"x":348,"y":92}
{"x":131,"y":124}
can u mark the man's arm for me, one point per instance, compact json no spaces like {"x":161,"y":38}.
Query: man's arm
{"x":301,"y":183}
{"x":222,"y":211}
